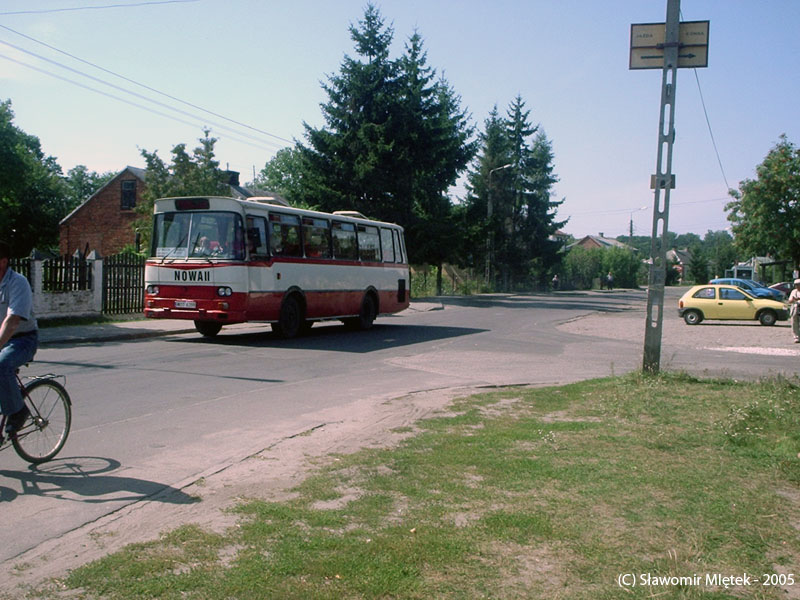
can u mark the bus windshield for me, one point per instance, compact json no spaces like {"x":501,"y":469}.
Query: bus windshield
{"x":204,"y":234}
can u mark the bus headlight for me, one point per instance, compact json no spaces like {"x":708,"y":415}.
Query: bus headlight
{"x":224,"y":291}
{"x":152,"y":290}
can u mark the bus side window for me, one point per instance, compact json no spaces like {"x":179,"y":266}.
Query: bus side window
{"x":387,"y":245}
{"x":398,"y":243}
{"x":344,"y":241}
{"x":257,"y":237}
{"x":369,"y":243}
{"x":316,"y":237}
{"x":284,"y":235}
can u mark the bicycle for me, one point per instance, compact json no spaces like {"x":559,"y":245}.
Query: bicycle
{"x":45,"y":432}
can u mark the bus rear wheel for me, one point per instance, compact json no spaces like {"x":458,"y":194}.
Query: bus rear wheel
{"x":208,"y":329}
{"x":366,"y":316}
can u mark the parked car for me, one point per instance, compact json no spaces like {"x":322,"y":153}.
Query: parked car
{"x":756,"y":289}
{"x":728,"y":302}
{"x":785,"y":287}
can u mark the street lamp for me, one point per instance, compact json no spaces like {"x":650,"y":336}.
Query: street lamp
{"x":490,"y":233}
{"x":630,"y":237}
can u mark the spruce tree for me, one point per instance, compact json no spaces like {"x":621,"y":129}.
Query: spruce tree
{"x":514,"y":174}
{"x":394,"y":140}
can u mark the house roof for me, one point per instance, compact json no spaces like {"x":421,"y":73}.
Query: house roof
{"x":599,"y":241}
{"x":683,"y":257}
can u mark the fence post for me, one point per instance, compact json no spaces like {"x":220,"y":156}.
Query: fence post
{"x":97,"y":285}
{"x":36,"y":284}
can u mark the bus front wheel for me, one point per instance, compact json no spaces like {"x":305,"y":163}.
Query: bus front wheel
{"x":290,"y":321}
{"x":207,"y":328}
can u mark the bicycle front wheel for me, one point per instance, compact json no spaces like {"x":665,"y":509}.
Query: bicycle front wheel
{"x":45,"y":432}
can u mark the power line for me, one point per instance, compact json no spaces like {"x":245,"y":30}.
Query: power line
{"x":129,"y":80}
{"x":55,"y":10}
{"x":710,"y":132}
{"x":708,"y":124}
{"x":118,"y":88}
{"x":120,"y":99}
{"x":636,"y":209}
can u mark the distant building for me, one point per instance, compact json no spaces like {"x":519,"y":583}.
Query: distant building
{"x":560,"y":237}
{"x":103,"y":222}
{"x":679,"y":259}
{"x":599,"y":241}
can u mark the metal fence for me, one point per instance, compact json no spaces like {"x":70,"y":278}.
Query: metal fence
{"x":123,"y":284}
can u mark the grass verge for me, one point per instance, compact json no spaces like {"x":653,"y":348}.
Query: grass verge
{"x":672,"y":482}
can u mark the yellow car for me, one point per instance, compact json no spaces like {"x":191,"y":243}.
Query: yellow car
{"x":728,"y":302}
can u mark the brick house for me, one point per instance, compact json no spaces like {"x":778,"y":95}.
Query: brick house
{"x":103,"y":222}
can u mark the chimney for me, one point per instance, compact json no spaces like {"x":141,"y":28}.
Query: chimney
{"x":233,"y":177}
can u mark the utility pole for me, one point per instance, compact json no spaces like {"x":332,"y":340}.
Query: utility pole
{"x":663,"y":179}
{"x":667,"y":46}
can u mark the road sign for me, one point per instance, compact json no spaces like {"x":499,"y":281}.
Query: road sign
{"x":661,"y":182}
{"x":648,"y":39}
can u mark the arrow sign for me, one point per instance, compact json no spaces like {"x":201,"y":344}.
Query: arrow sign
{"x":647,"y":44}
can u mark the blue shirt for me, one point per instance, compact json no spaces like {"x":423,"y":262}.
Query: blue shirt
{"x":16,"y":298}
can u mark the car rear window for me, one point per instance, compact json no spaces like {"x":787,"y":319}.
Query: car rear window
{"x":705,"y":293}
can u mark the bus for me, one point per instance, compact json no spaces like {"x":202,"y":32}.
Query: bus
{"x":218,"y":261}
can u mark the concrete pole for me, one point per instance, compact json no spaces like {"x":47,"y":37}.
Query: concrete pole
{"x":663,"y":180}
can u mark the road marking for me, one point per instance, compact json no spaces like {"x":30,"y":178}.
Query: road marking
{"x":752,"y":350}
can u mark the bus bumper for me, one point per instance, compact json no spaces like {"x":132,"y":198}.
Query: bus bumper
{"x":225,"y":310}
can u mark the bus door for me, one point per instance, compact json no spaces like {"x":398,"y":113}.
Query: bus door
{"x":259,"y":271}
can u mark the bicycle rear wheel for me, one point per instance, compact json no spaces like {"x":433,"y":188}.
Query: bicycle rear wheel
{"x":45,"y":432}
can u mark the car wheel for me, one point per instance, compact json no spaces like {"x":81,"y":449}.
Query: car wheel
{"x":692,"y":317}
{"x":768,"y":318}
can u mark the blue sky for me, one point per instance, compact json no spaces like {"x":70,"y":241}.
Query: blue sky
{"x":260,"y":63}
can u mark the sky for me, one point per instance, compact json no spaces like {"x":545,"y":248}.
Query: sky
{"x":252,"y":71}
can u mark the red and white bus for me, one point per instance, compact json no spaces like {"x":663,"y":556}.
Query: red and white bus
{"x":218,"y":261}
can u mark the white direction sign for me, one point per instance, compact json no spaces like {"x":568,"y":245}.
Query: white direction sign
{"x":647,"y":45}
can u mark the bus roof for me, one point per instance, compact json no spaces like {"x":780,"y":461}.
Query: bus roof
{"x":256,"y":205}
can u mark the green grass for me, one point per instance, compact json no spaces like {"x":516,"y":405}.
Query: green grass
{"x":523,"y":493}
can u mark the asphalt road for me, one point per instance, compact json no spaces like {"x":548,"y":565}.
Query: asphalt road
{"x":152,"y":415}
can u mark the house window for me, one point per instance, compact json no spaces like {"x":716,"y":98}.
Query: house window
{"x":128,"y":195}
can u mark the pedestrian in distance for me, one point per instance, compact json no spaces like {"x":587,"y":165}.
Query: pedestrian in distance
{"x":18,"y":338}
{"x":610,"y":281}
{"x":794,"y":310}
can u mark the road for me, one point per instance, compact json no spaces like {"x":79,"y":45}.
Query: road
{"x":152,"y":416}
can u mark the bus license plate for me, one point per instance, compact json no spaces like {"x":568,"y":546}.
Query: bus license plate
{"x":185,"y":304}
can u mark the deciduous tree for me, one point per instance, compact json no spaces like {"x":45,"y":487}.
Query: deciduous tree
{"x":32,"y":193}
{"x":192,"y":174}
{"x":765,"y":212}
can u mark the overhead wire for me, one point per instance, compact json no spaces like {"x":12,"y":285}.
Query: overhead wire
{"x":147,"y":87}
{"x":708,"y":124}
{"x":118,"y":98}
{"x":121,"y":89}
{"x":74,"y":8}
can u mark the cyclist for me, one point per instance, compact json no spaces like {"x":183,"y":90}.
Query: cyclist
{"x":18,"y":338}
